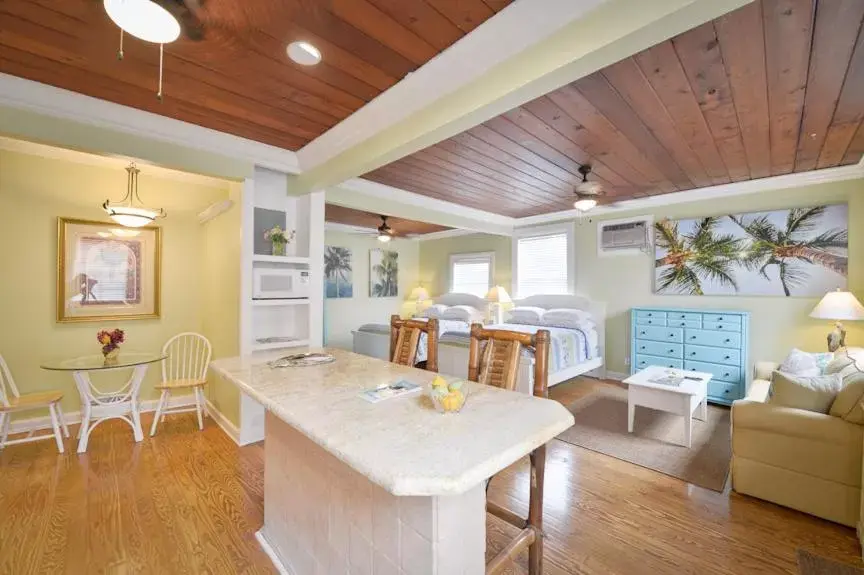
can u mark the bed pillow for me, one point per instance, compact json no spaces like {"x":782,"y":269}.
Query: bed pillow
{"x":526,"y":315}
{"x":433,"y":311}
{"x":464,"y":313}
{"x":805,"y":364}
{"x":813,"y":393}
{"x":568,"y":318}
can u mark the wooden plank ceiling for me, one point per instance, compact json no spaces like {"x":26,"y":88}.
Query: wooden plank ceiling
{"x":401,"y":226}
{"x":237,"y":77}
{"x":772,"y":88}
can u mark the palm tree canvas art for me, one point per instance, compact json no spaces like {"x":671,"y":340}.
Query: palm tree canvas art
{"x":383,"y":273}
{"x":796,"y":252}
{"x":338,"y":280}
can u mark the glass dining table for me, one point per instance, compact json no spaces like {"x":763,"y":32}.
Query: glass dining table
{"x":97,"y":405}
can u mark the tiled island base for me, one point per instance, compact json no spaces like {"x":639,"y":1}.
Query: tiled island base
{"x":322,"y":517}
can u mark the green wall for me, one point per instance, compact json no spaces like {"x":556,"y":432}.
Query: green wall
{"x":435,"y":259}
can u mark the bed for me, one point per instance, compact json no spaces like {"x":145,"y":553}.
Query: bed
{"x":373,"y":339}
{"x":572,"y":352}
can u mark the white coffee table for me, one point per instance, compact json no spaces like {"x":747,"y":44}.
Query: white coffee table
{"x":678,"y":400}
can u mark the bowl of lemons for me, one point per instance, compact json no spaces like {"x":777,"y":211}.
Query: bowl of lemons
{"x":448,"y":396}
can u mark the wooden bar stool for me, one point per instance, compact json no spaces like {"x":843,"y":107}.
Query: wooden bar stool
{"x":405,"y":337}
{"x":11,"y":401}
{"x":497,"y":364}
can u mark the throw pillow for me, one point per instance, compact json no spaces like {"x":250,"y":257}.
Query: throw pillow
{"x":802,"y":363}
{"x":813,"y":393}
{"x":847,"y":404}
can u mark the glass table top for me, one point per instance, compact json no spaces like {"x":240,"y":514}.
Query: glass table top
{"x":97,"y":362}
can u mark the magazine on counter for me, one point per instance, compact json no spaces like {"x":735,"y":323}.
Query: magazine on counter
{"x":389,"y":391}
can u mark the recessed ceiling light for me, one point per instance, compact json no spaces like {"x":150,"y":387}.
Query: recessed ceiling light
{"x":304,"y":53}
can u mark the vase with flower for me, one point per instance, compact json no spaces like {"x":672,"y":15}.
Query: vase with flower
{"x":278,"y":239}
{"x":111,"y":341}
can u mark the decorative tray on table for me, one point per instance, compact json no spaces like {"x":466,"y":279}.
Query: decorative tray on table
{"x":302,"y":360}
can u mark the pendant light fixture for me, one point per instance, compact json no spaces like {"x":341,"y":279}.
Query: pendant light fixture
{"x":146,"y":20}
{"x":127,"y":213}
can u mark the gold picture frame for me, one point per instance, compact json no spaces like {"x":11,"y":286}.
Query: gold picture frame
{"x":106,"y":272}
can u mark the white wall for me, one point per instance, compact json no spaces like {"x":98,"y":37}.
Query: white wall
{"x":346,"y":314}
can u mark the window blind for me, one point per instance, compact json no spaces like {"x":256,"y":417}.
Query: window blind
{"x":541,"y":265}
{"x":470,"y":275}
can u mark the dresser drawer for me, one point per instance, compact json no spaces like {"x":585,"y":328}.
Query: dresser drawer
{"x":695,"y":323}
{"x":724,"y":391}
{"x":656,"y":333}
{"x":721,"y":317}
{"x":659,"y":349}
{"x":712,"y":338}
{"x":643,"y":361}
{"x":650,"y":313}
{"x":725,"y":373}
{"x":722,"y":355}
{"x":721,"y":325}
{"x":651,"y":321}
{"x":686,"y":315}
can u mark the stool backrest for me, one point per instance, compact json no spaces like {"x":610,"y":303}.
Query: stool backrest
{"x":7,"y":384}
{"x":188,"y":357}
{"x":497,"y":363}
{"x":404,"y":337}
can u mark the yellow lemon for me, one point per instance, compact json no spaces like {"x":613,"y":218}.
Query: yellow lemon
{"x":453,"y":401}
{"x":439,"y":382}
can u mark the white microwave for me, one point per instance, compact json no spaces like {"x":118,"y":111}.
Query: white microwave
{"x":270,"y":283}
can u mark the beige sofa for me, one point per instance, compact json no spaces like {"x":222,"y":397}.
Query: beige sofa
{"x":800,"y":459}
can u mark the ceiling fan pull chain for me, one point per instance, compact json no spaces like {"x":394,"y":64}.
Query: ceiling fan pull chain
{"x":161,"y":58}
{"x":120,"y":52}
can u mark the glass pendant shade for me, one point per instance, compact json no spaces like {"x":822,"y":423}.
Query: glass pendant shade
{"x":384,"y":238}
{"x":585,"y":204}
{"x":126,"y":213}
{"x":144,"y":19}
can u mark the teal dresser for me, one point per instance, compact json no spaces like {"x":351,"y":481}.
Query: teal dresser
{"x":715,"y":342}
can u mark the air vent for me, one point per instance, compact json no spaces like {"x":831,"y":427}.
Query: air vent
{"x":623,"y":237}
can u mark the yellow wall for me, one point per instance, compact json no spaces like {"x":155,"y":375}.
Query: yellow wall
{"x":33,"y":193}
{"x":220,"y":301}
{"x":776,"y":323}
{"x":435,"y":259}
{"x":346,"y":314}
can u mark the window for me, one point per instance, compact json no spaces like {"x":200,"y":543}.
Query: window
{"x":543,"y":264}
{"x":471,"y":273}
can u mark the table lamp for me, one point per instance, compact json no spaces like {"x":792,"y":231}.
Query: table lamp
{"x":838,"y":305}
{"x":497,"y":297}
{"x":418,"y":296}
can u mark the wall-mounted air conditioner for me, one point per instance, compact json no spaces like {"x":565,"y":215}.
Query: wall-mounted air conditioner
{"x":624,"y":237}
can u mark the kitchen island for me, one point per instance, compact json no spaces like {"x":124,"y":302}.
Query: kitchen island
{"x":388,"y":488}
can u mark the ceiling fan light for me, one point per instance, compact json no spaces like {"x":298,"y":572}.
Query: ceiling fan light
{"x":384,"y":238}
{"x":585,"y":204}
{"x":304,"y":53}
{"x":144,"y":19}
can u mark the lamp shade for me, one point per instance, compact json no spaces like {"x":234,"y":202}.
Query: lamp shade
{"x":838,"y":305}
{"x":498,"y":295}
{"x":419,"y":293}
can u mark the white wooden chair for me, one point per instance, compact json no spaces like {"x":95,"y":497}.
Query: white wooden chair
{"x":185,"y":368}
{"x":11,"y":401}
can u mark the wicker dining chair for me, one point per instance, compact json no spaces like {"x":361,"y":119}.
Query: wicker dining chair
{"x":405,"y":336}
{"x":497,"y":364}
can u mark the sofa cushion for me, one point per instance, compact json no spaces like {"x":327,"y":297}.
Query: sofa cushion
{"x":812,"y":393}
{"x":849,"y":367}
{"x":804,"y":363}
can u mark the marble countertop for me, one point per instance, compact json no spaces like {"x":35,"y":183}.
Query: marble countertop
{"x":402,"y":444}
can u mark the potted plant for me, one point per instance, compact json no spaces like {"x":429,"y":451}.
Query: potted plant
{"x":279,"y":238}
{"x":111,"y":341}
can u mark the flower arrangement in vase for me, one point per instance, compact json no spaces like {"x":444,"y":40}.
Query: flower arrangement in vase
{"x":111,"y":341}
{"x":279,"y":238}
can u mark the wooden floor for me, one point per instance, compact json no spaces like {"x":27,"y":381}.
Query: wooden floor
{"x":190,"y":502}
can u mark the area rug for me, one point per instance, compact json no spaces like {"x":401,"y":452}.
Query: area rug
{"x":601,"y":425}
{"x":810,"y":564}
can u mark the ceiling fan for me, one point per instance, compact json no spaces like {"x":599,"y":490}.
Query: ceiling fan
{"x":587,"y":192}
{"x":385,"y":232}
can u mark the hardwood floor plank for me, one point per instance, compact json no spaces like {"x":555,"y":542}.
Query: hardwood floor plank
{"x":788,"y":32}
{"x":834,"y":37}
{"x":742,"y":44}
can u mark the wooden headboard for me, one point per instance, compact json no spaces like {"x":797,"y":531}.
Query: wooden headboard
{"x":597,"y":309}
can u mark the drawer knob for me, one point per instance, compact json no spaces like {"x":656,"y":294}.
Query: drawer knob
{"x":725,"y":391}
{"x":650,"y":315}
{"x":727,"y":340}
{"x":643,"y":347}
{"x":671,"y":335}
{"x":671,"y":351}
{"x":692,"y":353}
{"x":725,"y":375}
{"x":670,"y":365}
{"x":727,"y":357}
{"x":720,"y":318}
{"x":692,"y":337}
{"x":641,"y":333}
{"x":719,"y":327}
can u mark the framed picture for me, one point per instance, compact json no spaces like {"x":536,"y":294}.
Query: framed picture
{"x":338,"y":272}
{"x":797,"y":252}
{"x":383,"y":273}
{"x":107,"y":272}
